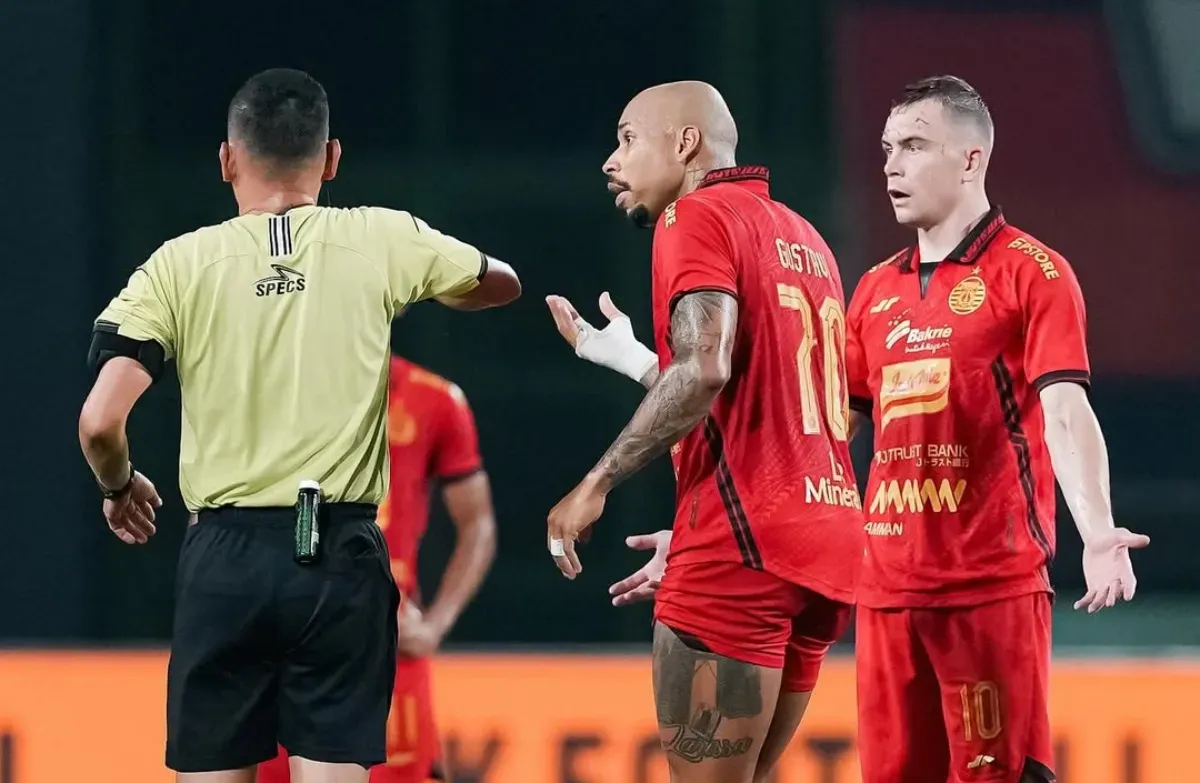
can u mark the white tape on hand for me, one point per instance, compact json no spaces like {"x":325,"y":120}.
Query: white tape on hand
{"x":556,"y":547}
{"x":614,"y":347}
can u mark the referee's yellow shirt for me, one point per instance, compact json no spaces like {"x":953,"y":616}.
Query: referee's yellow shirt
{"x":280,"y":327}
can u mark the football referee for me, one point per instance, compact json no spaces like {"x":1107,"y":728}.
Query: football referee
{"x":279,"y":323}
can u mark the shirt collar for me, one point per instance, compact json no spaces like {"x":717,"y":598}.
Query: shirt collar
{"x":970,"y":248}
{"x":757,"y":175}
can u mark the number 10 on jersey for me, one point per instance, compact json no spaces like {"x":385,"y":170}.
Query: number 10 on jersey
{"x":832,"y":323}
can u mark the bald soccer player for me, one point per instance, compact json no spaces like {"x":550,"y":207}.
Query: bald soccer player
{"x":748,"y":393}
{"x":279,"y":322}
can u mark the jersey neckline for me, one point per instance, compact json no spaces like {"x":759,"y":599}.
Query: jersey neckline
{"x":970,"y":249}
{"x":736,"y":174}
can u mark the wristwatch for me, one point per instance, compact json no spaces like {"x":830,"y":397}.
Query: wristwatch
{"x":113,"y":494}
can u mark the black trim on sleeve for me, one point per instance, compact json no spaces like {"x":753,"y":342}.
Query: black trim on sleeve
{"x":454,"y":478}
{"x":862,"y":405}
{"x":707,"y":290}
{"x":483,"y":265}
{"x":1082,"y":377}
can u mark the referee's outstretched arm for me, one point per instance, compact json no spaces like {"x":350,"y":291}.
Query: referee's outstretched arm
{"x":499,"y":285}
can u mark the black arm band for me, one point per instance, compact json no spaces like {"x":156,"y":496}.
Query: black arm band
{"x":107,"y":344}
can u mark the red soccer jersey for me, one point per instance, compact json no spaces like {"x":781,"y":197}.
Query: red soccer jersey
{"x":766,"y":479}
{"x":432,"y":437}
{"x":960,"y":502}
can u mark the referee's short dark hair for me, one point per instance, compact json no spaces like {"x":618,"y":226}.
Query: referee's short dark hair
{"x":281,"y":116}
{"x":957,"y":98}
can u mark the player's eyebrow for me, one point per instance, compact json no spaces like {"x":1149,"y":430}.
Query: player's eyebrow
{"x":904,"y":141}
{"x":622,"y":127}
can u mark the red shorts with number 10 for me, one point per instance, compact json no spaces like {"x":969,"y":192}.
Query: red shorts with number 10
{"x":955,"y":695}
{"x":754,"y":617}
{"x":413,"y":747}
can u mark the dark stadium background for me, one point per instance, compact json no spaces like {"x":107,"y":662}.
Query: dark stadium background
{"x":491,"y":120}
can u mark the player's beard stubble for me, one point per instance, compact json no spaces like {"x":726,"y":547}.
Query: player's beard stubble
{"x":640,"y":216}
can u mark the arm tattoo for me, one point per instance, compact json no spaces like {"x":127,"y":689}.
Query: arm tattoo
{"x":695,"y":691}
{"x":702,"y":331}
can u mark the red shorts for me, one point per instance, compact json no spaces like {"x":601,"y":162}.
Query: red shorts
{"x":413,"y":748}
{"x":957,"y":695}
{"x":753,"y":617}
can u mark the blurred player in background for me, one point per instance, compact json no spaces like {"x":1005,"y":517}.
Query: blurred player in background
{"x":968,"y":352}
{"x":748,"y":392}
{"x":433,"y":442}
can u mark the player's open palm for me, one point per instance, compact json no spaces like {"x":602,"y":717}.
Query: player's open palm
{"x":614,"y":346}
{"x":1108,"y":570}
{"x":131,"y":516}
{"x":643,"y":583}
{"x":575,"y":329}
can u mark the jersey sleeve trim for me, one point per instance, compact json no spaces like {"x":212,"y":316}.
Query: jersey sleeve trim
{"x":1082,"y":377}
{"x":862,"y":405}
{"x":462,"y":475}
{"x":483,"y":266}
{"x":704,"y":290}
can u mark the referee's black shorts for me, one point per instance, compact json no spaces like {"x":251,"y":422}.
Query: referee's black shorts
{"x":267,"y":651}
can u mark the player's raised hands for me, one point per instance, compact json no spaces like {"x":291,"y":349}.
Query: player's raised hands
{"x":565,"y":317}
{"x":643,"y":583}
{"x":131,"y":516}
{"x":571,"y":325}
{"x":1108,"y":570}
{"x":614,"y":346}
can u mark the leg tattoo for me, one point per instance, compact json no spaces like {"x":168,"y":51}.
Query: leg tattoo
{"x":696,"y":690}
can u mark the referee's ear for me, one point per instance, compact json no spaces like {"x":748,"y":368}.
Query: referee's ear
{"x":333,"y":155}
{"x":225,"y":155}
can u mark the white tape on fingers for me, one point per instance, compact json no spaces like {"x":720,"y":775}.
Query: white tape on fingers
{"x":556,"y":547}
{"x":583,"y":331}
